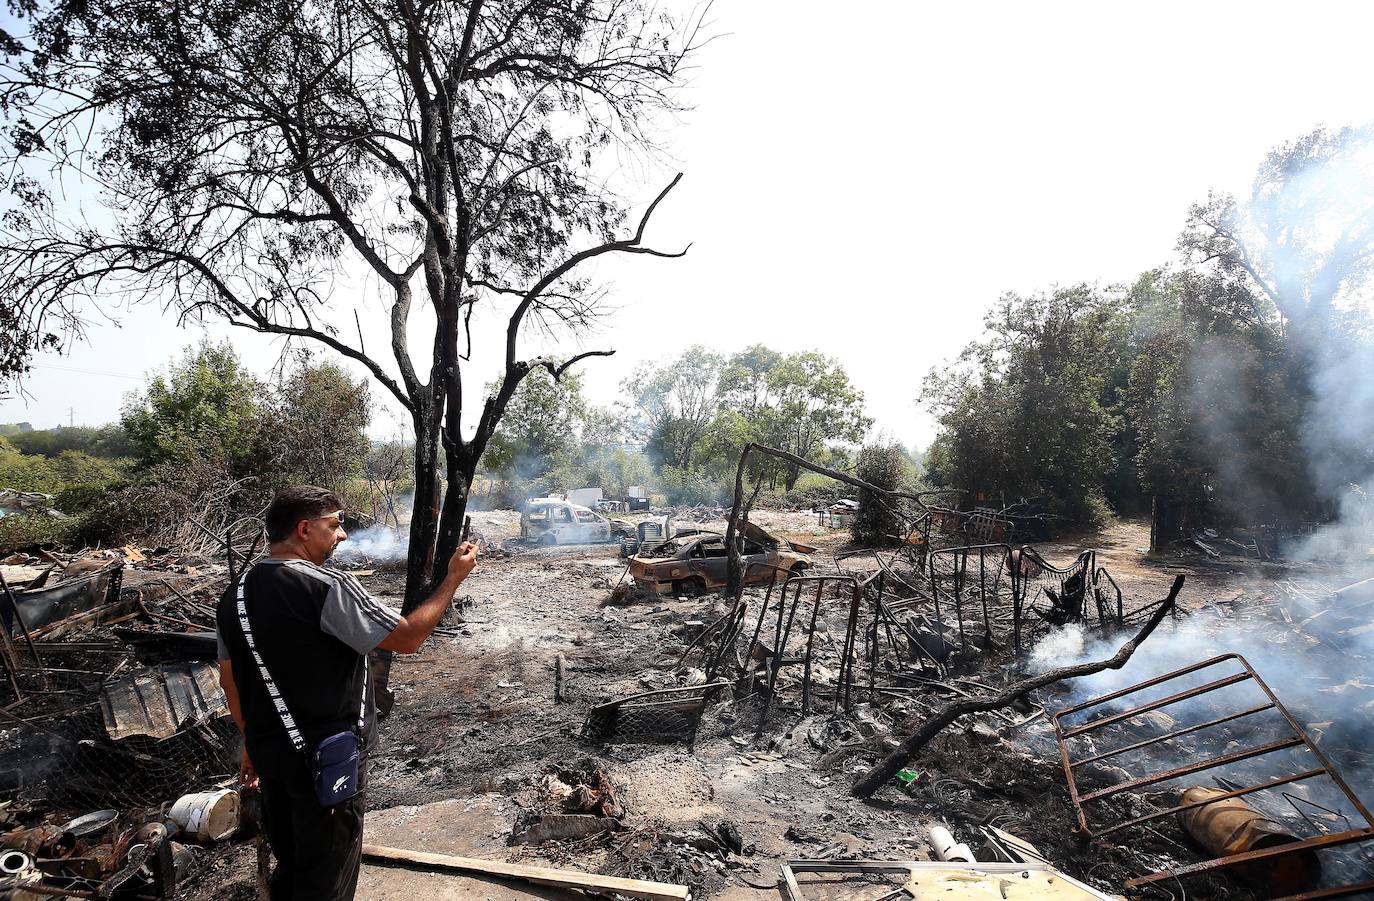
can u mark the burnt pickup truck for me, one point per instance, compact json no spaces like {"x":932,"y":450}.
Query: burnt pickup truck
{"x":694,"y":563}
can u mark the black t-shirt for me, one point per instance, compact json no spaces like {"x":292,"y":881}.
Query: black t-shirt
{"x":313,"y":627}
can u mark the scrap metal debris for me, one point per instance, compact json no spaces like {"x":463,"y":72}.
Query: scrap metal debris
{"x":667,"y":714}
{"x":1238,"y":835}
{"x":953,"y":881}
{"x":880,"y":774}
{"x":113,"y":709}
{"x":160,"y":702}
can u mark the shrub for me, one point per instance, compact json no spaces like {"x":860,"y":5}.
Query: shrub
{"x":205,"y":407}
{"x":102,"y":514}
{"x":26,"y":530}
{"x":25,"y":472}
{"x":682,"y":487}
{"x":886,"y":467}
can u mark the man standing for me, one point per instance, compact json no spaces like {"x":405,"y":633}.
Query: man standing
{"x":312,"y":629}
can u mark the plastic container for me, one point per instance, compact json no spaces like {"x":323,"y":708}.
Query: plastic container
{"x":207,"y":816}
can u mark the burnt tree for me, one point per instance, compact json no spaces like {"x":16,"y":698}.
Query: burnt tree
{"x":239,"y":161}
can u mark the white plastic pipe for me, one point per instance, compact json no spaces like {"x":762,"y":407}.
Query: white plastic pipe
{"x":946,"y":848}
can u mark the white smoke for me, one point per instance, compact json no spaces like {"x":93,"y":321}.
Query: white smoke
{"x":1338,"y":436}
{"x":1311,"y":678}
{"x":380,"y":543}
{"x":1348,"y":541}
{"x":1311,"y":220}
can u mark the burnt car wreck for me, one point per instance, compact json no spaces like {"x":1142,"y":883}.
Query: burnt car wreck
{"x":694,"y":562}
{"x":552,"y":521}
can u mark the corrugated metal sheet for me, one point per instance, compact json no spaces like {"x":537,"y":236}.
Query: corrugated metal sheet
{"x":161,"y":701}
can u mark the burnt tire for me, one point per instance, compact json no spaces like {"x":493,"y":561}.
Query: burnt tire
{"x":694,"y":587}
{"x":548,"y":540}
{"x":798,"y":569}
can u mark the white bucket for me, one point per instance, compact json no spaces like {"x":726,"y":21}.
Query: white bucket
{"x":207,"y":816}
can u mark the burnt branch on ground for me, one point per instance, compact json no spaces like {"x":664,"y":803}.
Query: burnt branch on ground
{"x":887,"y":768}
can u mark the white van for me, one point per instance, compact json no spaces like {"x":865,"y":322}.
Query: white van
{"x":549,"y":520}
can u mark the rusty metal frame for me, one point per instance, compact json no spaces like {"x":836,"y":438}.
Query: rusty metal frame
{"x":782,"y":632}
{"x":1299,"y":737}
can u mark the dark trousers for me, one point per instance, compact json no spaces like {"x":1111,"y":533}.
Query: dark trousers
{"x":318,"y":849}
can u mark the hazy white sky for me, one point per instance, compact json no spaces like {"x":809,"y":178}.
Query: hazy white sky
{"x":867,"y":183}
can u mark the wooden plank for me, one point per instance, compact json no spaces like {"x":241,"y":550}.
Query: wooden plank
{"x":571,"y":879}
{"x":105,"y":615}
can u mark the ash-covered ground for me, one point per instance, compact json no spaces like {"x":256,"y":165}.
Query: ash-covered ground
{"x":474,"y":747}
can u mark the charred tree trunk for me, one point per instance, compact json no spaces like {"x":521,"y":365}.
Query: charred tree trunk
{"x":462,"y":469}
{"x":424,"y":519}
{"x":734,"y":568}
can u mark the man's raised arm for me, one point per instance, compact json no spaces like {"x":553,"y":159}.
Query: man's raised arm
{"x":418,"y":624}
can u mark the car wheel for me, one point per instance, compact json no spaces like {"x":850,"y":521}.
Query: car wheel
{"x":548,"y":539}
{"x":798,"y":569}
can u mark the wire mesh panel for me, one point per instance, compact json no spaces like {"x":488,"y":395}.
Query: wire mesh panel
{"x":666,"y":715}
{"x":69,"y":761}
{"x":110,"y":716}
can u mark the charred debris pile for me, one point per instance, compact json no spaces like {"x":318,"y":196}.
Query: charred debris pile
{"x":929,"y":671}
{"x":1045,"y":731}
{"x":118,"y":759}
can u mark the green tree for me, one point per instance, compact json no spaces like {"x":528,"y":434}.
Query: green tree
{"x":816,"y":405}
{"x":1217,"y":403}
{"x":1304,"y":238}
{"x":26,"y":472}
{"x":676,"y":403}
{"x":539,"y":431}
{"x":876,"y":522}
{"x":1026,"y":411}
{"x":746,"y":382}
{"x":315,"y":428}
{"x":204,"y":408}
{"x":609,"y":461}
{"x":108,"y":441}
{"x":801,"y":403}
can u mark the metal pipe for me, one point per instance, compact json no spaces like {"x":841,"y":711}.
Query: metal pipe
{"x":810,"y":644}
{"x":23,"y":627}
